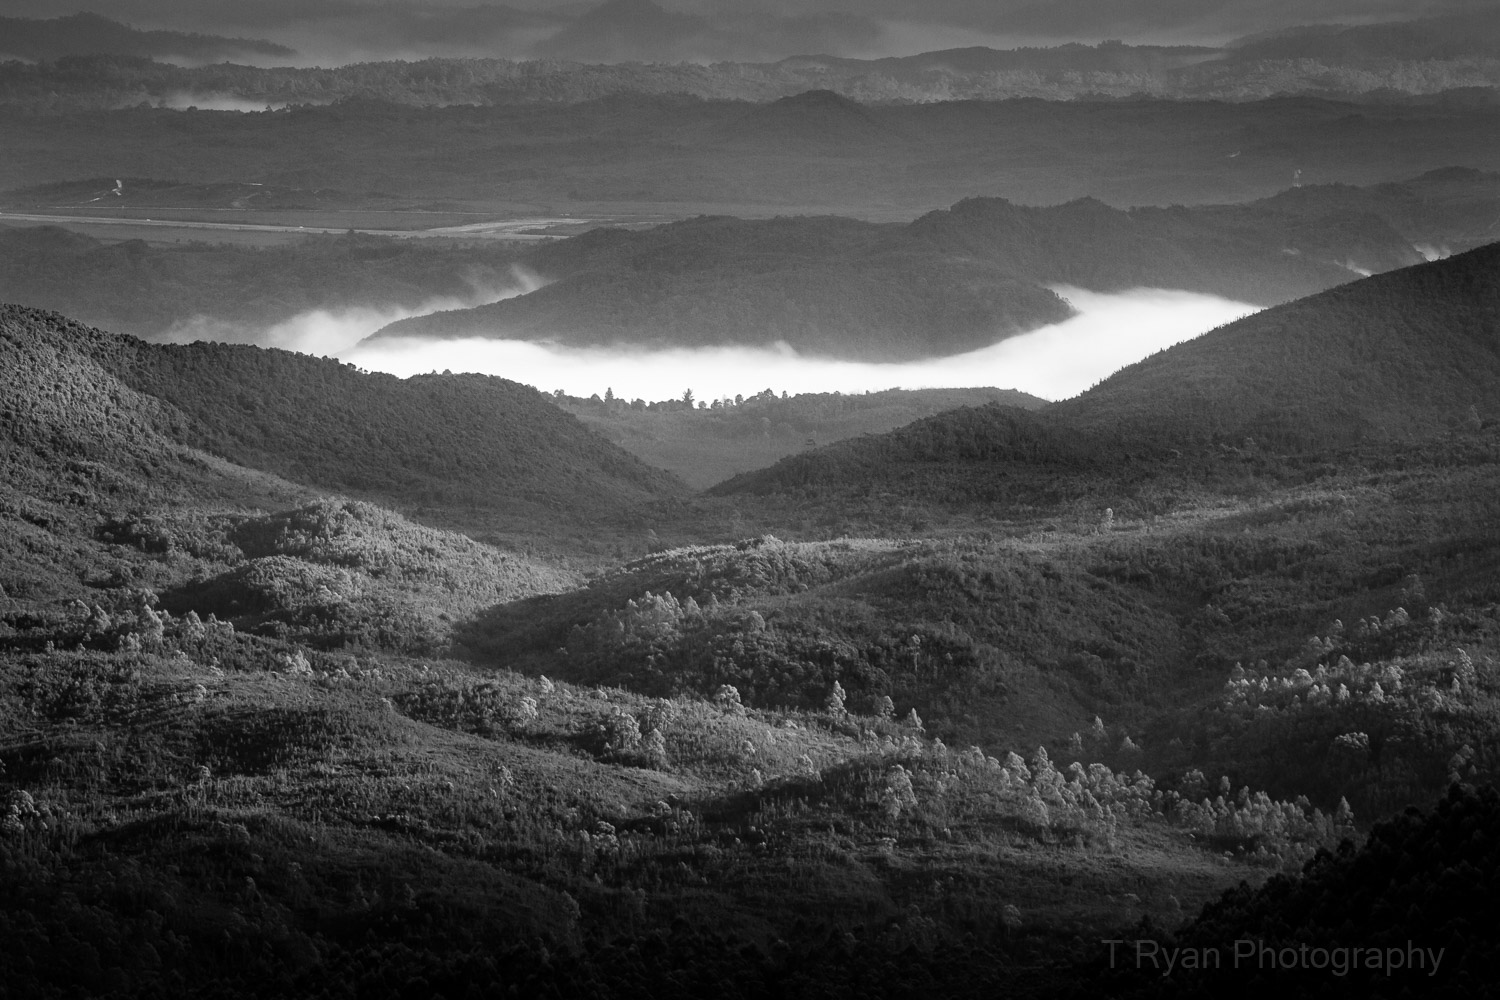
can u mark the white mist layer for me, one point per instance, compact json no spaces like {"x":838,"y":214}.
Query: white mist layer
{"x":334,"y":332}
{"x":180,"y":101}
{"x":1054,"y":362}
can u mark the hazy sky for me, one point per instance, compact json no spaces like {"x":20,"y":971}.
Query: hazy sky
{"x":327,"y":31}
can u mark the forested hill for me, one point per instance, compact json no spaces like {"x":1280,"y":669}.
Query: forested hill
{"x":1412,"y":354}
{"x":945,"y":283}
{"x":467,"y":449}
{"x":1399,"y":354}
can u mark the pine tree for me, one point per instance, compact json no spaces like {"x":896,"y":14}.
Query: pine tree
{"x":835,"y":702}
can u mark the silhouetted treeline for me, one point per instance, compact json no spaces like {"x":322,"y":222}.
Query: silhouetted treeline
{"x":1423,"y":880}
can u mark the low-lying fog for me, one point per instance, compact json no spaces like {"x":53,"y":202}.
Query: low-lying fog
{"x":335,"y":332}
{"x":1054,"y":362}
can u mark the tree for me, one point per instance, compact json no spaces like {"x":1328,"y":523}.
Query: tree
{"x":687,"y":399}
{"x":727,"y":698}
{"x":835,"y":702}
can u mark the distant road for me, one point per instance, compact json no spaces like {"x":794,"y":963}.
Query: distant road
{"x":506,"y":230}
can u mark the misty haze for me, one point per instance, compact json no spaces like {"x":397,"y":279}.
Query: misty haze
{"x":666,"y":499}
{"x":1053,"y":362}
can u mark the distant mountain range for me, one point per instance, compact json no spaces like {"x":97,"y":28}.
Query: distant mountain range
{"x":952,"y":280}
{"x":1406,"y":356}
{"x":635,"y":46}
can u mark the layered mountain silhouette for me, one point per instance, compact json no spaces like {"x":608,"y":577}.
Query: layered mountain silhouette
{"x":1405,"y":356}
{"x":948,"y":282}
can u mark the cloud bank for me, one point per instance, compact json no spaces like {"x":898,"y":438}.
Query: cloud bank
{"x":1055,"y":362}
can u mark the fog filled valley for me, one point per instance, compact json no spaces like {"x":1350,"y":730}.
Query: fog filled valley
{"x":627,"y":506}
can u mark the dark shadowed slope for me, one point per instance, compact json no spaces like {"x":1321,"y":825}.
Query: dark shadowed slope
{"x":474,"y":449}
